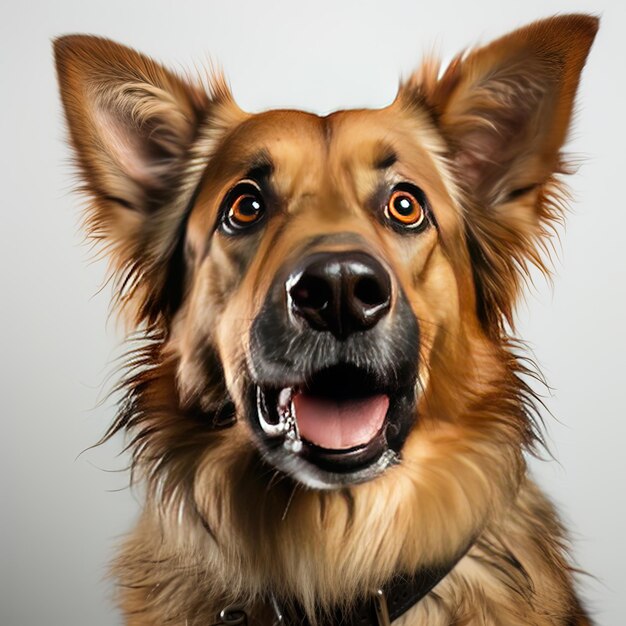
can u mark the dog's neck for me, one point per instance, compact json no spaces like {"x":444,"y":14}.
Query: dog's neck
{"x":383,"y":606}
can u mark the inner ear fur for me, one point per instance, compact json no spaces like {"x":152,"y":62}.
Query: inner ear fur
{"x":130,"y":120}
{"x":135,"y":128}
{"x":505,"y":111}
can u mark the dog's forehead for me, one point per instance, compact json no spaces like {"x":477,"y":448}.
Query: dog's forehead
{"x":306,"y":149}
{"x":285,"y":137}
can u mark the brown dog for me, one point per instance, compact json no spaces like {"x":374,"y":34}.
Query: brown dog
{"x":327,"y":407}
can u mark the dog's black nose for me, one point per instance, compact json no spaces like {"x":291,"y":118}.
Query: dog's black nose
{"x":340,"y":292}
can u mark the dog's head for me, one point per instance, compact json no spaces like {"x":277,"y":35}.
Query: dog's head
{"x":327,"y":299}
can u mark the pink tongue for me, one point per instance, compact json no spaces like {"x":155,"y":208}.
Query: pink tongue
{"x":339,"y":425}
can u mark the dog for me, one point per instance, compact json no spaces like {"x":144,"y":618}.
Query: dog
{"x":326,"y":403}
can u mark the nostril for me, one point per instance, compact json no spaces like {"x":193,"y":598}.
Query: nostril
{"x":311,"y":292}
{"x":370,"y":291}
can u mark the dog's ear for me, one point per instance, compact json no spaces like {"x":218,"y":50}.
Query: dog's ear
{"x":132,"y":124}
{"x":505,"y":110}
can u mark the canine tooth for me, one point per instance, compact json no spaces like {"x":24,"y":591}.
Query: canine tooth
{"x":287,"y":426}
{"x":271,"y":430}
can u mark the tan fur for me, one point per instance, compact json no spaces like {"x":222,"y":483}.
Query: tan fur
{"x":483,"y":141}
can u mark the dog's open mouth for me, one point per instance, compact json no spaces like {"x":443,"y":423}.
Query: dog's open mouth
{"x":340,"y":426}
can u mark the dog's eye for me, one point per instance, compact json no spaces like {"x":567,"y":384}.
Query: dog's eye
{"x":244,"y":207}
{"x":406,"y":207}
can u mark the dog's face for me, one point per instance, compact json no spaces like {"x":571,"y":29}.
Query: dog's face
{"x":326,"y":299}
{"x":317,"y":270}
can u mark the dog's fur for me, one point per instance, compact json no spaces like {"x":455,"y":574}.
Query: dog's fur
{"x":157,"y":153}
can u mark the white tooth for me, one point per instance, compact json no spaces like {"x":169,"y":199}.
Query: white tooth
{"x":293,"y":417}
{"x":287,"y":426}
{"x":271,"y":430}
{"x":293,"y":443}
{"x":284,"y":397}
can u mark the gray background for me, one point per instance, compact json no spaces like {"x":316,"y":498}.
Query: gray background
{"x":61,"y":513}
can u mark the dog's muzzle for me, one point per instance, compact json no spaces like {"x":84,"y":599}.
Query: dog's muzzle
{"x":333,"y":357}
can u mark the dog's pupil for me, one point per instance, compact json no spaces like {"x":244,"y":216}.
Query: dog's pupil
{"x":249,"y":206}
{"x":404,"y":205}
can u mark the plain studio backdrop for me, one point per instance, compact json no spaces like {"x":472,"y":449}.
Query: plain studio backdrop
{"x":61,"y":514}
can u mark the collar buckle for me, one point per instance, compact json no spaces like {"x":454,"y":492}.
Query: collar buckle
{"x":381,"y":608}
{"x":233,"y":615}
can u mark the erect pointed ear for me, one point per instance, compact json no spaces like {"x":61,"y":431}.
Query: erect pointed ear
{"x":505,"y":110}
{"x":130,"y":119}
{"x":135,"y":128}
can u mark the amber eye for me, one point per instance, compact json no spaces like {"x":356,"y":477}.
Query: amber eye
{"x":244,"y":207}
{"x":405,"y":209}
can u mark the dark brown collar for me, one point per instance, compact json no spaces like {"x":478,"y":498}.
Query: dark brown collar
{"x":381,"y":608}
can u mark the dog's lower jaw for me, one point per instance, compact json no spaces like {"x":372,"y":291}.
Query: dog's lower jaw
{"x":515,"y":574}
